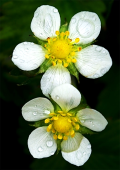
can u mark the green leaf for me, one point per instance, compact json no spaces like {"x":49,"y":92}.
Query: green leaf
{"x":85,"y":130}
{"x":72,"y":69}
{"x":37,"y":124}
{"x":45,"y":65}
{"x":56,"y":106}
{"x":40,"y":42}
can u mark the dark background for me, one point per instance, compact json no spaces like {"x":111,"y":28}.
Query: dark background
{"x":101,"y":94}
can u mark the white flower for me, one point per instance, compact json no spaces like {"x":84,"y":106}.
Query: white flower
{"x":63,"y":48}
{"x":62,"y":125}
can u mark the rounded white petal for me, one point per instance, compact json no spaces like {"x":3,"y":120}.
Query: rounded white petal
{"x":37,"y":109}
{"x":79,"y":156}
{"x":41,"y":143}
{"x":93,"y":61}
{"x":86,"y":26}
{"x":72,"y":143}
{"x":92,"y":119}
{"x":28,"y":56}
{"x":66,"y":96}
{"x":54,"y":76}
{"x":45,"y":22}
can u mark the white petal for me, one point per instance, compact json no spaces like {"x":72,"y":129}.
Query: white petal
{"x":92,"y":119}
{"x":79,"y":156}
{"x":66,"y":96}
{"x":28,"y":56}
{"x":37,"y":109}
{"x":86,"y":26}
{"x":41,"y":143}
{"x":72,"y":143}
{"x":45,"y":22}
{"x":54,"y":76}
{"x":93,"y":61}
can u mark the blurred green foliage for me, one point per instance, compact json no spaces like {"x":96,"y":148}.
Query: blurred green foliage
{"x":19,"y":86}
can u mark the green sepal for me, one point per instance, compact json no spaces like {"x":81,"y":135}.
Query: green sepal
{"x":45,"y":65}
{"x":64,"y":27}
{"x":56,"y":106}
{"x":85,"y":130}
{"x":73,"y":70}
{"x":40,"y":42}
{"x":58,"y":145}
{"x":85,"y":45}
{"x":37,"y":124}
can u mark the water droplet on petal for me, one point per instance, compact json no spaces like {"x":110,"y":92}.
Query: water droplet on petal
{"x":55,"y":10}
{"x":47,"y":112}
{"x":25,"y":43}
{"x":95,"y":75}
{"x":15,"y":56}
{"x":103,"y":70}
{"x":98,"y":49}
{"x":89,"y":146}
{"x":57,"y":97}
{"x":82,"y":121}
{"x":22,"y":61}
{"x":36,"y":14}
{"x":84,"y":153}
{"x":49,"y":143}
{"x":40,"y":149}
{"x":52,"y":153}
{"x":94,"y":18}
{"x":79,"y":155}
{"x":93,"y":125}
{"x":73,"y":20}
{"x":41,"y":34}
{"x":34,"y":113}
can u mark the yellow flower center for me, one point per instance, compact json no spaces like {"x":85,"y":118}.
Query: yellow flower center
{"x":62,"y":125}
{"x":61,"y":49}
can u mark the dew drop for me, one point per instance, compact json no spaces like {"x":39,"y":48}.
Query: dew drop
{"x":34,"y":113}
{"x":49,"y":143}
{"x":82,"y":121}
{"x":15,"y":56}
{"x":41,"y":34}
{"x":52,"y":153}
{"x":22,"y":61}
{"x":93,"y":125}
{"x":94,"y":18}
{"x":95,"y":75}
{"x":55,"y":10}
{"x":36,"y":14}
{"x":73,"y":20}
{"x":40,"y":149}
{"x":47,"y":112}
{"x":57,"y":97}
{"x":84,"y":153}
{"x":89,"y":146}
{"x":98,"y":49}
{"x":25,"y":43}
{"x":103,"y":70}
{"x":79,"y":155}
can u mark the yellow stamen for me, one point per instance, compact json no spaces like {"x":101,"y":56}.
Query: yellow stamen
{"x":74,"y":60}
{"x":51,"y":114}
{"x":48,"y":39}
{"x":53,"y":130}
{"x":77,"y":127}
{"x":65,"y":64}
{"x":77,"y":40}
{"x":47,"y":120}
{"x":69,"y":39}
{"x":62,"y":34}
{"x":67,"y":33}
{"x":67,"y":133}
{"x":54,"y":118}
{"x":55,"y":136}
{"x":68,"y":60}
{"x":69,"y":114}
{"x":60,"y":136}
{"x":73,"y":53}
{"x":72,"y":132}
{"x":54,"y":39}
{"x":49,"y":128}
{"x":60,"y":111}
{"x":46,"y":56}
{"x":54,"y":63}
{"x":65,"y":137}
{"x":57,"y":32}
{"x":80,"y":48}
{"x":75,"y":119}
{"x":59,"y":61}
{"x":69,"y":121}
{"x":45,"y":45}
{"x":73,"y":135}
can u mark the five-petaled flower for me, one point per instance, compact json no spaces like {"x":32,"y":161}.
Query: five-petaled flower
{"x":63,"y":48}
{"x":63,"y":126}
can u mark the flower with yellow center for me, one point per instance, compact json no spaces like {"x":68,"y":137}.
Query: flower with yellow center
{"x":62,"y":127}
{"x":63,"y":51}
